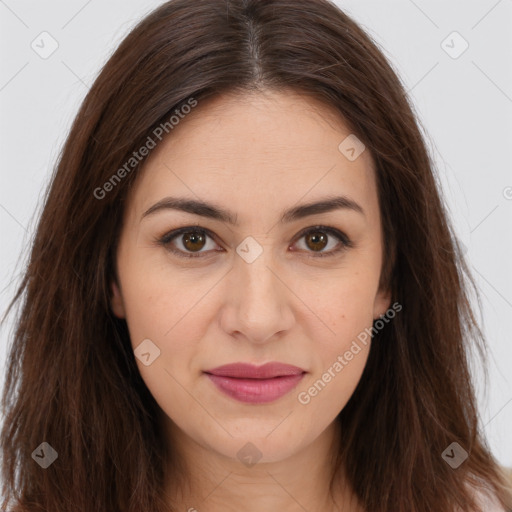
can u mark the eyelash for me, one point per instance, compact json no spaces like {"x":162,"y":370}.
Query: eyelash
{"x":165,"y":241}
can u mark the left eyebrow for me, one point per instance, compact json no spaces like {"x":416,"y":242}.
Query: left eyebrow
{"x":323,"y":206}
{"x":212,"y":211}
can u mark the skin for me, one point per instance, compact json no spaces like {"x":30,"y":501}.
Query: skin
{"x":255,"y":155}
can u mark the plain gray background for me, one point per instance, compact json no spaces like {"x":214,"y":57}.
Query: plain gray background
{"x":463,"y":101}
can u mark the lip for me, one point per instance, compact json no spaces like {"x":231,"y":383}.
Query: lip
{"x":256,"y":384}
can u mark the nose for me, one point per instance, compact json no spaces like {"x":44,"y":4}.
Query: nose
{"x":258,"y":303}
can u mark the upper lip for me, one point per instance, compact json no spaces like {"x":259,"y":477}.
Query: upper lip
{"x":249,"y":371}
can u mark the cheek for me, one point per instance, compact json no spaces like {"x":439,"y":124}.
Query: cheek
{"x":338,"y":369}
{"x":341,"y":332}
{"x":174,"y":311}
{"x":343,"y":306}
{"x":161,"y":303}
{"x":169,"y":313}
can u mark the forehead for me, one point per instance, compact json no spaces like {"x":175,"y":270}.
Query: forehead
{"x":268,"y":150}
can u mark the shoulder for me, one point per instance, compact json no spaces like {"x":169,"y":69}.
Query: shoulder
{"x":487,"y":500}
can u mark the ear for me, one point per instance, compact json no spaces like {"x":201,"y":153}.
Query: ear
{"x":116,"y":301}
{"x":382,"y":303}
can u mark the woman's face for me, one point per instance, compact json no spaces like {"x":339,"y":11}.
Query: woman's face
{"x":255,"y":288}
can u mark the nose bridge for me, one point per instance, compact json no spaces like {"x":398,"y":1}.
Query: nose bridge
{"x":258,"y":291}
{"x":259,"y":299}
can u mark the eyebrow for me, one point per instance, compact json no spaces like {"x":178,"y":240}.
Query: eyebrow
{"x":212,"y":211}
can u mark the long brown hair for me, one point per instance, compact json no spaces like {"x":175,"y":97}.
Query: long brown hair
{"x":72,"y":380}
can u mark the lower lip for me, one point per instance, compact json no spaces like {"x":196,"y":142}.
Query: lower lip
{"x":256,"y":391}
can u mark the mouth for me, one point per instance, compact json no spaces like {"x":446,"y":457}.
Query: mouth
{"x":256,"y":384}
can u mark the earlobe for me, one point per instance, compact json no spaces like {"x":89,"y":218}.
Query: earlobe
{"x":382,"y":303}
{"x":116,"y":301}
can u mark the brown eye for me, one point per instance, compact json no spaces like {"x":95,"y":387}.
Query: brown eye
{"x":193,"y":241}
{"x":316,"y":240}
{"x":189,"y":242}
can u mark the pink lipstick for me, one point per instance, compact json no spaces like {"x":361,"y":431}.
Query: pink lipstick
{"x":256,"y":384}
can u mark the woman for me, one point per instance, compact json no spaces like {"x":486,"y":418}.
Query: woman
{"x":244,"y":291}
